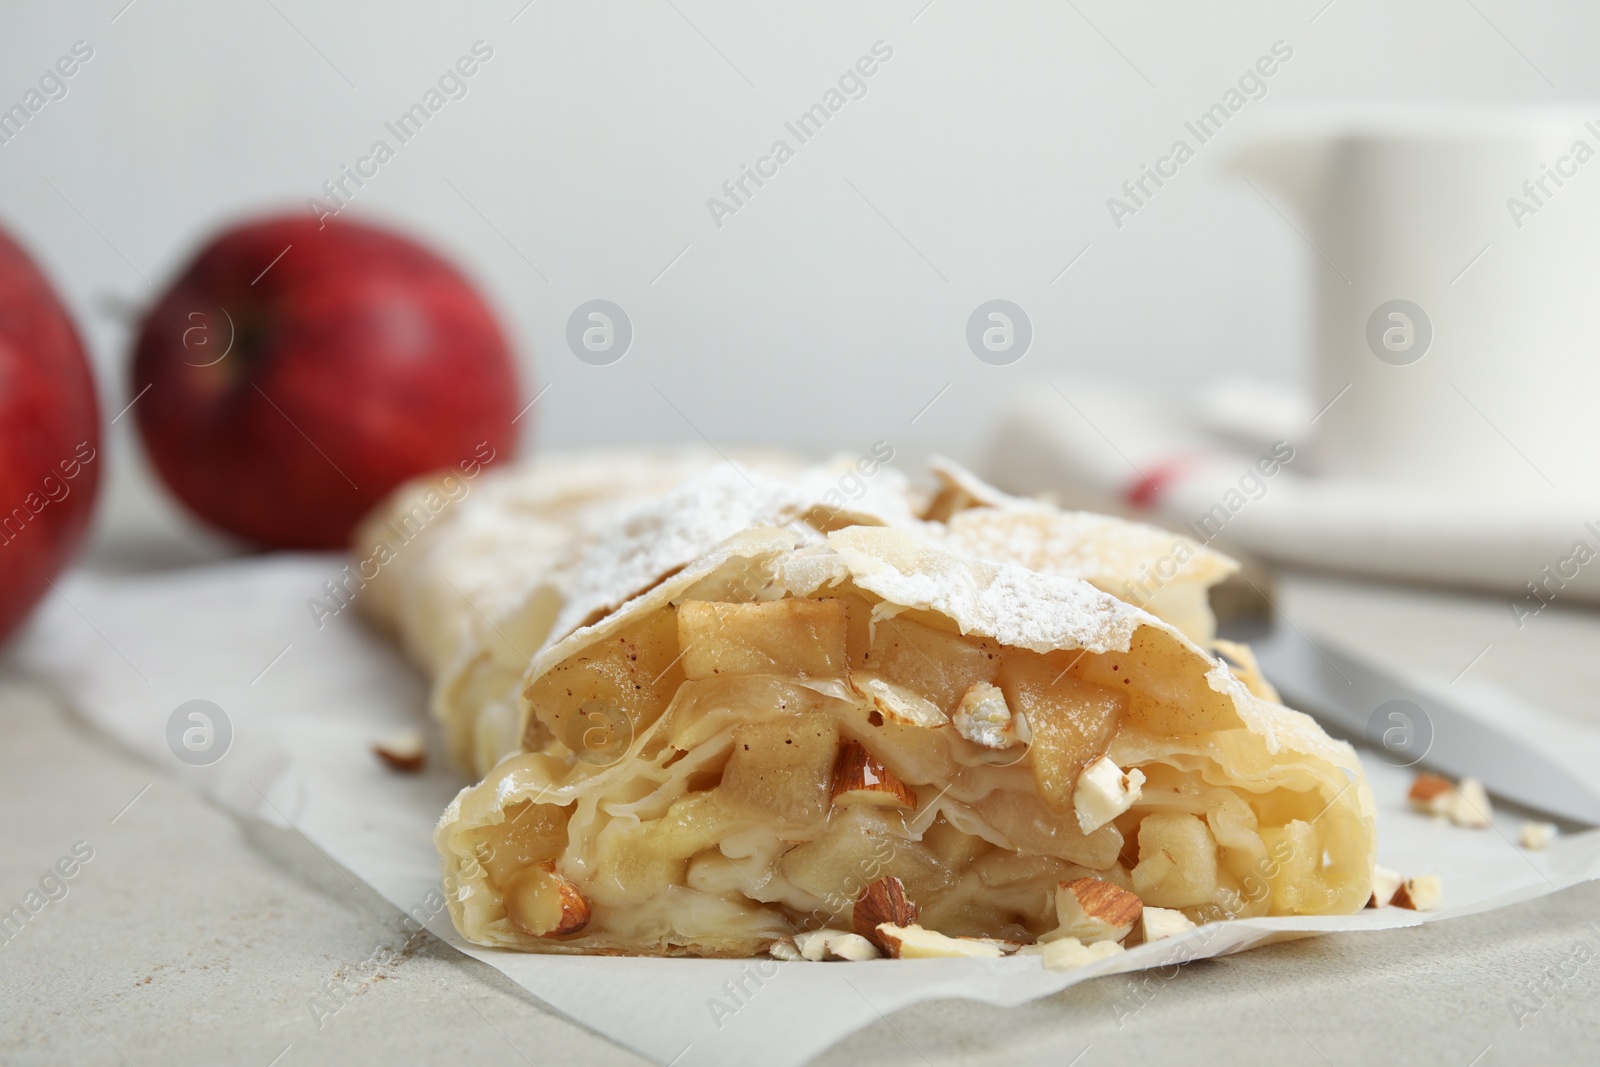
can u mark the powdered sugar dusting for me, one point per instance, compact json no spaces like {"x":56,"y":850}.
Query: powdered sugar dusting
{"x":634,"y":550}
{"x":1110,"y":552}
{"x":497,"y":538}
{"x":1005,"y":601}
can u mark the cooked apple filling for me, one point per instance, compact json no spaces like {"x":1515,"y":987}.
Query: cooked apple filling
{"x":713,"y":772}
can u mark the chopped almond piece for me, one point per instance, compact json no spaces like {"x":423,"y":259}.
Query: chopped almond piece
{"x":1471,"y":806}
{"x":404,"y":752}
{"x":1157,"y":923}
{"x":914,"y":943}
{"x":1465,"y":803}
{"x":818,"y":945}
{"x":542,"y":903}
{"x":1432,"y":793}
{"x":1385,"y":880}
{"x":852,"y":947}
{"x":1091,"y":910}
{"x":897,"y":703}
{"x":784,"y":949}
{"x":859,"y":777}
{"x":1419,"y":894}
{"x":884,"y":901}
{"x":813,"y":944}
{"x":1537,"y":835}
{"x":1105,"y":791}
{"x":983,"y":718}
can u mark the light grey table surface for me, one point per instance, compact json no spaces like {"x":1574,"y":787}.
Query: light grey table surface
{"x":193,"y":937}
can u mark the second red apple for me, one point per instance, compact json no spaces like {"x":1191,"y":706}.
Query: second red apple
{"x":295,"y":373}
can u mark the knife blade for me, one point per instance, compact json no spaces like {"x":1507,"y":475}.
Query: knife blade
{"x":1406,"y":725}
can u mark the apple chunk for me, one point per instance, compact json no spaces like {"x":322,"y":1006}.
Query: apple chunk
{"x":1072,"y":721}
{"x":932,"y":663}
{"x":597,"y":701}
{"x":794,"y":637}
{"x":633,"y":862}
{"x":782,"y":768}
{"x":1190,"y":878}
{"x":858,"y":848}
{"x":530,"y":834}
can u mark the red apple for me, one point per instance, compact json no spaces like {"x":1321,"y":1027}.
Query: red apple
{"x":49,"y":436}
{"x":299,"y":371}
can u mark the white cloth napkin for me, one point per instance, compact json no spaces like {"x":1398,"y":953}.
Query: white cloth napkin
{"x":305,"y":704}
{"x":1200,"y":466}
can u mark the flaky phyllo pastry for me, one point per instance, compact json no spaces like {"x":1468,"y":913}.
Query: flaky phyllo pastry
{"x":474,"y":571}
{"x":755,"y":714}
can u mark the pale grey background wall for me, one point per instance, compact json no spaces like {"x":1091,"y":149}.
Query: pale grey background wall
{"x":831,"y":308}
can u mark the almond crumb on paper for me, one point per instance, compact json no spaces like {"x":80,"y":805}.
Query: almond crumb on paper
{"x":1385,"y":882}
{"x":1432,"y":794}
{"x":1465,"y":803}
{"x":405,"y":751}
{"x":1471,"y":807}
{"x":1422,"y":893}
{"x":1537,"y":835}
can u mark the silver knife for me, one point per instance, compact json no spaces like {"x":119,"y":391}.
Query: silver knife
{"x":1406,"y":726}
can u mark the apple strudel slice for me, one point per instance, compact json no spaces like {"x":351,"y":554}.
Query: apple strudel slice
{"x":812,"y":717}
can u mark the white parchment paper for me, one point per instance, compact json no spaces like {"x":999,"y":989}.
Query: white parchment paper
{"x":304,"y":705}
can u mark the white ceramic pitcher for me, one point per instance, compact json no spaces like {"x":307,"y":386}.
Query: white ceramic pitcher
{"x":1457,"y":264}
